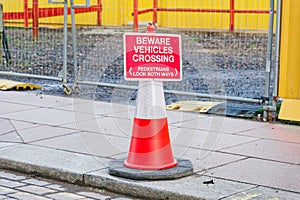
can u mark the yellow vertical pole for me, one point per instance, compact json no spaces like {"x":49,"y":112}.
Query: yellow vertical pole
{"x":289,"y":78}
{"x":1,"y":30}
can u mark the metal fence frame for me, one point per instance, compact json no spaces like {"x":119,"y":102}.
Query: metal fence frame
{"x":62,"y":76}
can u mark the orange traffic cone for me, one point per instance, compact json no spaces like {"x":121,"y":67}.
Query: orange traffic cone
{"x":150,"y":147}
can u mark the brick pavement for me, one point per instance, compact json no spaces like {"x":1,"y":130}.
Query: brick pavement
{"x":15,"y":186}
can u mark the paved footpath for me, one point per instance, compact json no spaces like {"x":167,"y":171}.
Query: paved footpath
{"x":74,"y":140}
{"x":16,"y":186}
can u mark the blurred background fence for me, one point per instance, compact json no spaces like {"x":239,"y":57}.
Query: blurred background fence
{"x":202,"y":14}
{"x":224,"y":43}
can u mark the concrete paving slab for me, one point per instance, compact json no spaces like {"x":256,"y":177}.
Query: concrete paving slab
{"x":261,"y":172}
{"x":48,"y":162}
{"x":269,"y":149}
{"x":19,"y":125}
{"x":42,"y":132}
{"x":104,"y":125}
{"x":47,"y":116}
{"x":5,"y":95}
{"x":203,"y":160}
{"x":121,"y":143}
{"x":206,"y":139}
{"x":116,"y":126}
{"x":1,"y":196}
{"x":191,"y":187}
{"x":6,"y":126}
{"x":11,"y":137}
{"x":237,"y":125}
{"x":6,"y":144}
{"x":217,"y":124}
{"x":211,"y":123}
{"x":90,"y":125}
{"x":40,"y":100}
{"x":286,"y":133}
{"x":88,"y":143}
{"x":121,"y":155}
{"x":221,"y":149}
{"x":263,"y":193}
{"x":174,"y":117}
{"x":177,"y":117}
{"x":127,"y":115}
{"x":7,"y":108}
{"x":71,"y":143}
{"x":97,"y":107}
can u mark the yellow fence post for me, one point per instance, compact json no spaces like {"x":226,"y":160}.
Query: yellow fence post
{"x":1,"y":31}
{"x":289,"y":80}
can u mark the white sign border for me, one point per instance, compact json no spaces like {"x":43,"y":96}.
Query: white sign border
{"x":152,"y":34}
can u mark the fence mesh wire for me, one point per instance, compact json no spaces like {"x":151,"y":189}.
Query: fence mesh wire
{"x":230,"y":64}
{"x":215,"y":61}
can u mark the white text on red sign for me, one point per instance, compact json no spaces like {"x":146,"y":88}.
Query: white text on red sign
{"x":152,"y":56}
{"x":146,"y":53}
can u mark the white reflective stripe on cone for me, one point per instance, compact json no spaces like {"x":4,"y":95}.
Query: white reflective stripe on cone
{"x":150,"y":100}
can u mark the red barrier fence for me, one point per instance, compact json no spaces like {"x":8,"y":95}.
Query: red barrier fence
{"x":156,"y":9}
{"x":35,"y":13}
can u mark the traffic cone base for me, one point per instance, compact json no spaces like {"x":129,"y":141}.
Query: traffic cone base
{"x":150,"y":147}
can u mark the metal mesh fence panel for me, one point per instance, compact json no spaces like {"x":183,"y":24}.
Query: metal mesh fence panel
{"x":42,"y":57}
{"x":39,"y":55}
{"x":215,"y":60}
{"x":222,"y":63}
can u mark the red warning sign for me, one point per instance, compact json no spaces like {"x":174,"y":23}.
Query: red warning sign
{"x":152,"y":56}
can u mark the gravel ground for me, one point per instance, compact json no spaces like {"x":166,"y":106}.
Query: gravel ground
{"x":213,"y":63}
